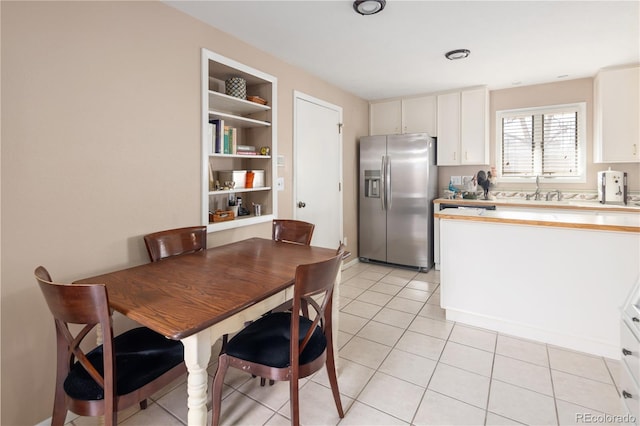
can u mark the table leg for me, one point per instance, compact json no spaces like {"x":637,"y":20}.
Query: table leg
{"x":197,"y":352}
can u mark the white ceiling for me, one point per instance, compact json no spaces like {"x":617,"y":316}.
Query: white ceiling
{"x":400,"y":51}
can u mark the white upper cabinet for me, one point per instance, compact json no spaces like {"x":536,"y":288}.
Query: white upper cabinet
{"x":385,"y":118}
{"x":410,"y":115}
{"x":419,"y":115}
{"x":616,"y":112}
{"x":463,"y":128}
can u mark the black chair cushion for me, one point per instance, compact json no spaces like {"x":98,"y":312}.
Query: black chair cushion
{"x":266,"y":341}
{"x":142,"y":355}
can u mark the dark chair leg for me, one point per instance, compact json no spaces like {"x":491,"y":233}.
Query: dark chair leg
{"x":143,"y":404}
{"x":218,"y":381}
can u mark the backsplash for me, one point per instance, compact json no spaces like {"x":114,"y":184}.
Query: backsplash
{"x":632,"y":197}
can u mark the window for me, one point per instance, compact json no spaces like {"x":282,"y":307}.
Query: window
{"x":547,"y":142}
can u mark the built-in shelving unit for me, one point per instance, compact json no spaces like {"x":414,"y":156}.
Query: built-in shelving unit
{"x":256,"y":126}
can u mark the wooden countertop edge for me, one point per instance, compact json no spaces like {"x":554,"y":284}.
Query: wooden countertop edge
{"x":598,"y":227}
{"x":533,"y":204}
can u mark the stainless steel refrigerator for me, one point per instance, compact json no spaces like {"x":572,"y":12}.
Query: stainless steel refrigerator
{"x":398,"y":183}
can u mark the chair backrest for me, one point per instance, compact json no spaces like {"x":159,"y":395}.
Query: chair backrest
{"x":83,"y":304}
{"x":292,"y":231}
{"x":313,"y":280}
{"x":173,"y":242}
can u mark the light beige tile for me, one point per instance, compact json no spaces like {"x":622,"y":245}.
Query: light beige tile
{"x":394,"y":317}
{"x":175,"y":402}
{"x":371,"y":275}
{"x":154,"y":415}
{"x":363,"y":415}
{"x":317,"y":406}
{"x":405,"y":305}
{"x":365,"y":352}
{"x":401,"y":403}
{"x":394,"y":280}
{"x":496,"y":420}
{"x":404,"y":273}
{"x":468,"y":358}
{"x":362,"y":309}
{"x":433,"y":311}
{"x":423,"y":285}
{"x":431,"y":327}
{"x":460,"y":384}
{"x":421,"y":344}
{"x":432,"y":276}
{"x":385,"y":288}
{"x":475,"y":337}
{"x":239,"y":409}
{"x":438,"y":409}
{"x":434,"y":299}
{"x":409,"y":367}
{"x":383,"y":269}
{"x":572,"y":414}
{"x":273,"y":396}
{"x":580,"y":364}
{"x":350,"y":323}
{"x":374,"y":298}
{"x":521,"y":404}
{"x":381,"y":333}
{"x":359,"y":282}
{"x":524,"y":350}
{"x":615,"y":369}
{"x":586,"y":392}
{"x":416,"y":295}
{"x":524,"y":374}
{"x":278,"y":420}
{"x":352,"y":377}
{"x":350,"y":291}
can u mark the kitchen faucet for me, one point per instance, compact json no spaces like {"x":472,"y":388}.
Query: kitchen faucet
{"x":536,"y":195}
{"x":555,"y":191}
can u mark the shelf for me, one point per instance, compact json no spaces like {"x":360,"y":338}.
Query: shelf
{"x":241,"y":221}
{"x":239,"y":156}
{"x":237,"y":121}
{"x":233,"y":105}
{"x":234,"y":191}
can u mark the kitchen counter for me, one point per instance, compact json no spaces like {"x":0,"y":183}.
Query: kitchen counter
{"x":580,"y":205}
{"x":593,"y":219}
{"x":558,"y":277}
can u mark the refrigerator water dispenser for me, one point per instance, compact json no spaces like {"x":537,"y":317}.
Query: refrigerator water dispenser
{"x":372,"y":183}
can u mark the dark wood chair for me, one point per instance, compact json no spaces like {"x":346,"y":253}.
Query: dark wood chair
{"x":174,"y":242}
{"x":125,"y":370}
{"x":292,"y":231}
{"x":287,"y":346}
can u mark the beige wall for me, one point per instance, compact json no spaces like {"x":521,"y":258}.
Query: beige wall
{"x":100,"y":145}
{"x":580,"y":90}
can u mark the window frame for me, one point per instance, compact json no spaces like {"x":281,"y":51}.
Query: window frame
{"x":580,"y":107}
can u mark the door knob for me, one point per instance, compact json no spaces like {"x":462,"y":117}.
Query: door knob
{"x":301,"y":204}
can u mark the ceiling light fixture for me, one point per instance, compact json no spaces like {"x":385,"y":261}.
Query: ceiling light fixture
{"x":368,"y":7}
{"x":457,"y":54}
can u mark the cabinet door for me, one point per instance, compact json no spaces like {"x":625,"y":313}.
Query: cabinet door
{"x":419,"y":115}
{"x":474,"y":126}
{"x":449,"y":129}
{"x":617,"y":107}
{"x":385,"y":118}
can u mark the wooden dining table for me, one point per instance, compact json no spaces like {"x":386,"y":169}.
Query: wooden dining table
{"x":199,"y":297}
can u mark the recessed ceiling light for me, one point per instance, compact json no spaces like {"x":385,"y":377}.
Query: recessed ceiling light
{"x":368,"y":7}
{"x":457,"y":54}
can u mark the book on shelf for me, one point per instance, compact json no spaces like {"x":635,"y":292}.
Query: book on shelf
{"x":211,"y":138}
{"x":218,"y":135}
{"x":227,"y":134}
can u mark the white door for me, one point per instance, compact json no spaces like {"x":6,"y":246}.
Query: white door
{"x":317,"y":180}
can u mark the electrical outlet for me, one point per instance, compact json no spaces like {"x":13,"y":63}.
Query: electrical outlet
{"x":280,"y":184}
{"x":456,"y":180}
{"x":345,"y":241}
{"x":466,"y":179}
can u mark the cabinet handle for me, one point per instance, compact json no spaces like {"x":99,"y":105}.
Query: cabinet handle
{"x":626,"y":352}
{"x":635,"y":319}
{"x":626,"y":394}
{"x":466,"y":155}
{"x":454,"y":155}
{"x":635,"y":149}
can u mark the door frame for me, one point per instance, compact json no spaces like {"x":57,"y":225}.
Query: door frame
{"x":303,"y":96}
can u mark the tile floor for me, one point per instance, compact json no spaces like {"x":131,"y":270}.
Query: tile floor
{"x":402,"y":363}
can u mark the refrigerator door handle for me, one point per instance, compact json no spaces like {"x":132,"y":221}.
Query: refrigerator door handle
{"x":388,"y":197}
{"x":383,"y":181}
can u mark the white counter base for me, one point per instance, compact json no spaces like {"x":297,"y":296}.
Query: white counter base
{"x":560,"y":286}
